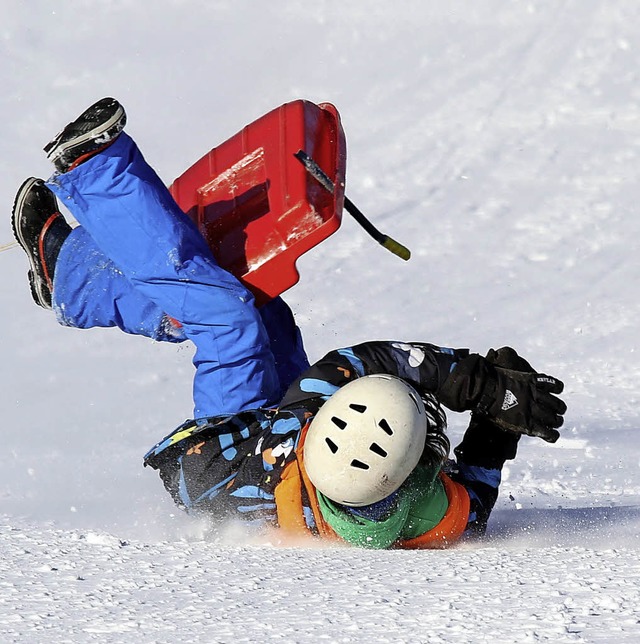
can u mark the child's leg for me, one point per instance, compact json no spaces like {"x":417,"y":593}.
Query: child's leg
{"x":286,"y":342}
{"x":89,"y":291}
{"x":129,"y":213}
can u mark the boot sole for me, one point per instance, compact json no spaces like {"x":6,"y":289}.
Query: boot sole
{"x":101,"y":135}
{"x":39,"y":287}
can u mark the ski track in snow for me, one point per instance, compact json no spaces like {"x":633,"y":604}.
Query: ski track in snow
{"x":501,"y":143}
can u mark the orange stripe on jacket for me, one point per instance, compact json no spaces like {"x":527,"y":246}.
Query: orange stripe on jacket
{"x":288,"y":497}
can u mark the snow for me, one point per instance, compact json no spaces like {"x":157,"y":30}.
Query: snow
{"x":75,"y":582}
{"x":500,"y":142}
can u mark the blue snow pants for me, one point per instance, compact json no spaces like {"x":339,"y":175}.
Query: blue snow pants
{"x":137,"y":260}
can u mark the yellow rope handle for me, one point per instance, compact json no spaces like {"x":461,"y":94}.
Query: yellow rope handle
{"x":8,"y":246}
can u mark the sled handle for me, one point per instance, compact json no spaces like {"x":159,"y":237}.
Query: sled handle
{"x":384,"y":240}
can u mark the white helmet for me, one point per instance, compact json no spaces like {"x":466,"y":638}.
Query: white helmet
{"x":366,"y":440}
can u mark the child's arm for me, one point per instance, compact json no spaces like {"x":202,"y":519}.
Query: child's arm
{"x":480,"y":458}
{"x":424,"y":366}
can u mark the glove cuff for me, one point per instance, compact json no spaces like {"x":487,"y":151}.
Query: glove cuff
{"x":486,"y":445}
{"x":466,"y":385}
{"x":488,"y":398}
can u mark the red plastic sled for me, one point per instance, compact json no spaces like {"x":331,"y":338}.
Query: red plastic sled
{"x":254,"y":202}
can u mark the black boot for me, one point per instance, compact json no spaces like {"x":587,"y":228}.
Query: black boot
{"x":96,"y":128}
{"x":40,"y":230}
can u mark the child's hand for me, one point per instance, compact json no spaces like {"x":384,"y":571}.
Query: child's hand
{"x":523,"y":402}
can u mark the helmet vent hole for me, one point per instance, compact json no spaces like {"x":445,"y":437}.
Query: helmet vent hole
{"x":376,"y":449}
{"x":338,"y":422}
{"x":359,"y":464}
{"x":359,"y":408}
{"x":384,"y":426}
{"x":332,"y":446}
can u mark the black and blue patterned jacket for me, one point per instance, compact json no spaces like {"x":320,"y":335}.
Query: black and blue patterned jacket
{"x":230,"y":466}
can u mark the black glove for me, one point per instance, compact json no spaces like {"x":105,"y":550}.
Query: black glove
{"x":513,"y":396}
{"x":508,"y":358}
{"x":523,"y":402}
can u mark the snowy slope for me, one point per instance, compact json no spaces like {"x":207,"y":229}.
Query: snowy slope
{"x":501,"y":142}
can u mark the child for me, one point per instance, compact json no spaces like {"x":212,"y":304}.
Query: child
{"x":351,"y":448}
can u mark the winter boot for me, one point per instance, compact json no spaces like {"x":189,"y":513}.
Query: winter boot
{"x":97,"y":127}
{"x":41,"y":230}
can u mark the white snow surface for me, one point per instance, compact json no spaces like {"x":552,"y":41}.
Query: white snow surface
{"x":500,"y":141}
